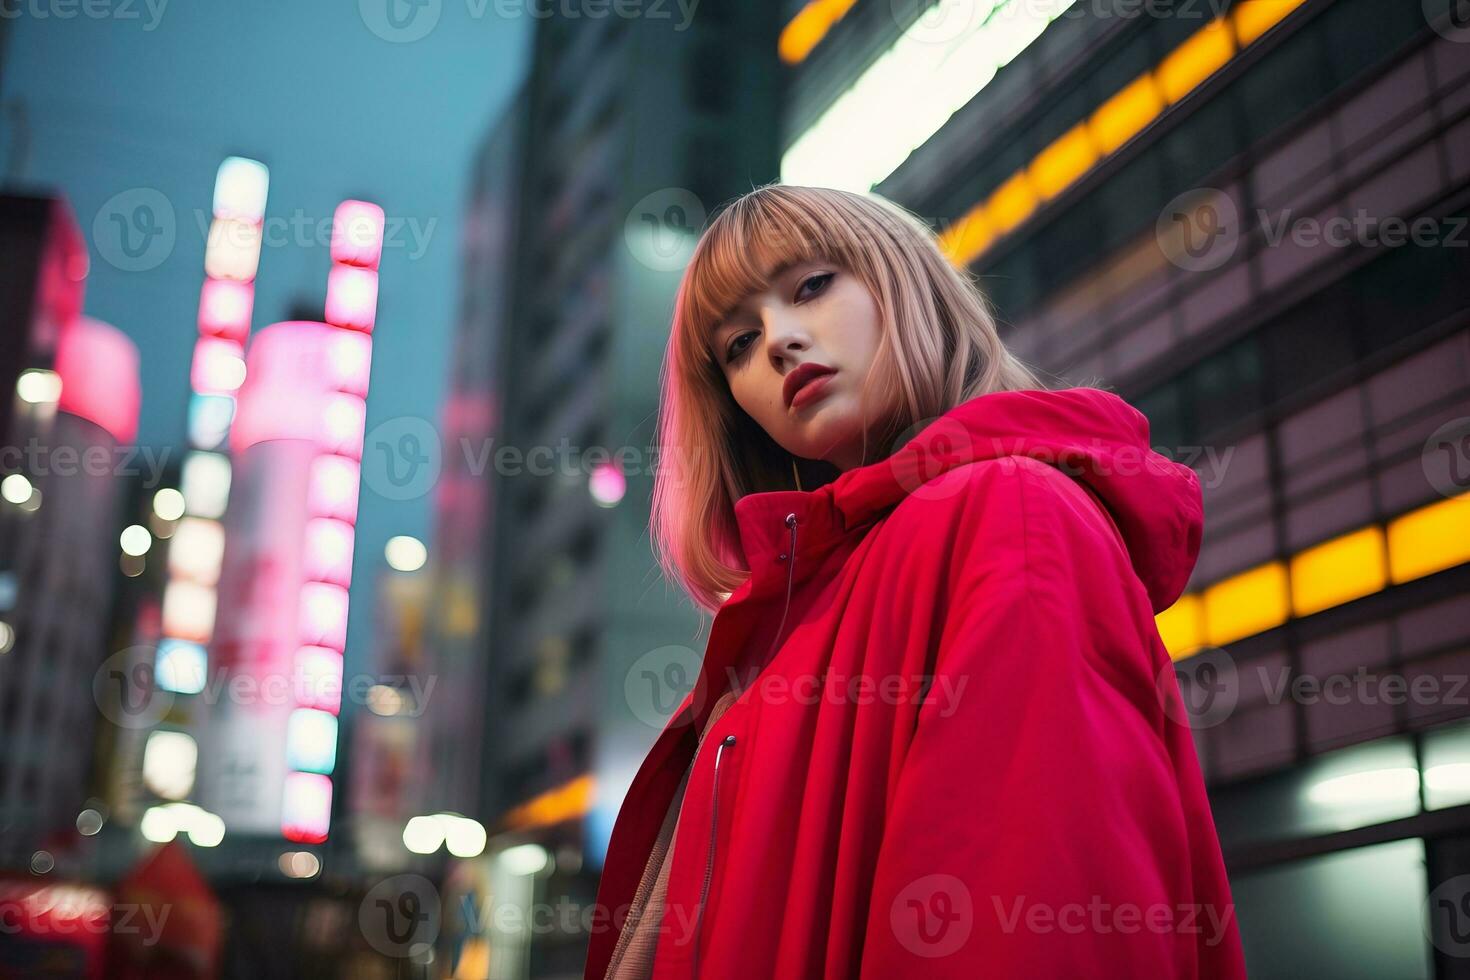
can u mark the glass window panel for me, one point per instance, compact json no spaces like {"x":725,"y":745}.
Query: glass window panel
{"x":1281,"y":85}
{"x":1447,"y":766}
{"x":1361,"y":33}
{"x":1352,"y":787}
{"x":1312,"y":341}
{"x":1227,"y":386}
{"x":1165,"y":415}
{"x":1348,"y":916}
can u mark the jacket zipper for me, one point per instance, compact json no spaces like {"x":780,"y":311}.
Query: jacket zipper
{"x":729,"y":741}
{"x":709,"y":862}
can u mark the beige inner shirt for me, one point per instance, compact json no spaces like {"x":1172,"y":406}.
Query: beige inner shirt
{"x":632,"y":958}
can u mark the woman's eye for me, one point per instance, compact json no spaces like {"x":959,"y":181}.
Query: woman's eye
{"x":736,"y":348}
{"x":820,"y":277}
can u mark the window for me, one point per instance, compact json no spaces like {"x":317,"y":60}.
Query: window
{"x":1294,"y":923}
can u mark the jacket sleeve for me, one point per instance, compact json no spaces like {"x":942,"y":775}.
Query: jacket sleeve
{"x":1048,"y":818}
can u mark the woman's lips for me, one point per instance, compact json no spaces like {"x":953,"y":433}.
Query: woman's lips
{"x":811,"y":391}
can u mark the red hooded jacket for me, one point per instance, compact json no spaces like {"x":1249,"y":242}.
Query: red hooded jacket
{"x":968,"y":756}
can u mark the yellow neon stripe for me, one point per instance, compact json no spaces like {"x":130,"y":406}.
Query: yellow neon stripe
{"x":1127,"y":113}
{"x":1011,"y":204}
{"x":1338,"y":571}
{"x":1421,"y":542}
{"x":808,"y":27}
{"x":967,"y":237}
{"x":1251,"y":602}
{"x":1206,"y":52}
{"x":1182,"y":626}
{"x":1058,"y":166}
{"x":1252,"y":18}
{"x":1430,"y":539}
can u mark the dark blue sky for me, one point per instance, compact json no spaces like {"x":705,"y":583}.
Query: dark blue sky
{"x":145,"y":101}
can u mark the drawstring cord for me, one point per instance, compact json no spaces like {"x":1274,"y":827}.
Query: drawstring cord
{"x":790,"y":559}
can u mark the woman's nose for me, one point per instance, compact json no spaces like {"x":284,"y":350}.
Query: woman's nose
{"x":784,"y":337}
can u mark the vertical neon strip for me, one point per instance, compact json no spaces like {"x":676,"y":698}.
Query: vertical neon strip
{"x":351,"y":308}
{"x":226,"y":302}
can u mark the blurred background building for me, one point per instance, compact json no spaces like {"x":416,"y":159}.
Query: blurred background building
{"x":587,"y":199}
{"x":72,"y":408}
{"x":1248,"y":218}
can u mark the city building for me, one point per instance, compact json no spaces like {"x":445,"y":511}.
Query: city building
{"x":588,"y":198}
{"x":71,"y":393}
{"x":1248,"y":219}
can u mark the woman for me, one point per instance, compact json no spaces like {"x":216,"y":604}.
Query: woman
{"x":935,"y":732}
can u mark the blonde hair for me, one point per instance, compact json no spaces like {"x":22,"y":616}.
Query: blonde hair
{"x":939,"y":348}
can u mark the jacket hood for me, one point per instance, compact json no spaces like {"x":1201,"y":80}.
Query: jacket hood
{"x":1091,"y":435}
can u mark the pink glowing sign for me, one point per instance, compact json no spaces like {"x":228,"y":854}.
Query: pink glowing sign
{"x":219,"y":366}
{"x":319,"y":679}
{"x":352,"y":298}
{"x":349,"y":361}
{"x":343,"y":418}
{"x":306,"y":810}
{"x":329,"y":551}
{"x":357,"y":234}
{"x":98,"y":366}
{"x":323,"y":620}
{"x":332,"y":491}
{"x":224,"y":309}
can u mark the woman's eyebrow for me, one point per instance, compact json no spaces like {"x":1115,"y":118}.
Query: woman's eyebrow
{"x":770,"y":277}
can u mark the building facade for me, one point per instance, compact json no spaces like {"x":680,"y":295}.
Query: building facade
{"x":586,"y":202}
{"x":72,"y":395}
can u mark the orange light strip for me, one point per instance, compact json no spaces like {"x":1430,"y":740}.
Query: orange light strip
{"x":569,"y":800}
{"x":808,"y":27}
{"x":1121,"y":117}
{"x":1357,"y":563}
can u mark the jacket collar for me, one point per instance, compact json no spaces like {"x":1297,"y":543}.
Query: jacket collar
{"x":766,"y":537}
{"x":1090,"y":434}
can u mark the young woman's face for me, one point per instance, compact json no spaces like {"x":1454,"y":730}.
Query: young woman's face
{"x":814,"y":313}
